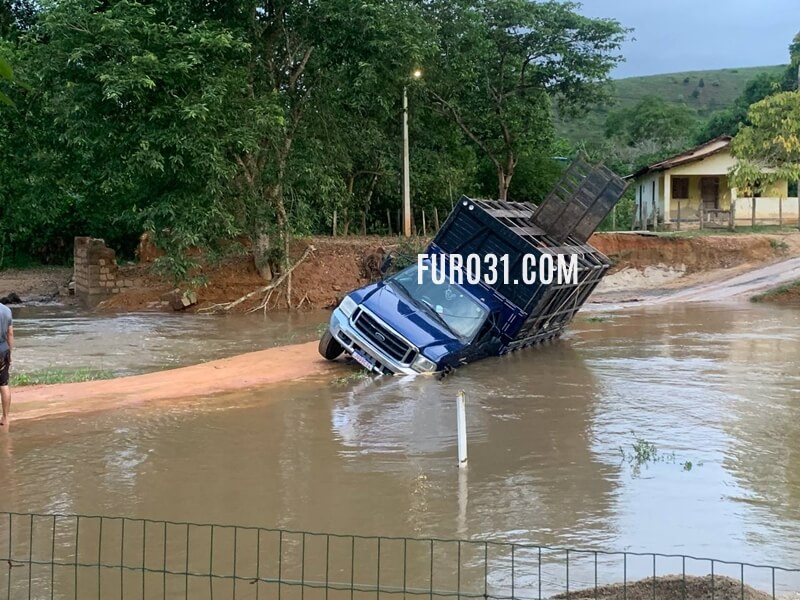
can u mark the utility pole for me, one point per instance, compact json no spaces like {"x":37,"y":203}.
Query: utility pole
{"x":406,"y":169}
{"x":406,"y":163}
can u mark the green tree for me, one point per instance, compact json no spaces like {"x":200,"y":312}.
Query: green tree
{"x":7,"y":75}
{"x":768,"y":150}
{"x":124,"y":127}
{"x":652,"y":118}
{"x":728,"y":122}
{"x":790,"y":79}
{"x":502,"y":63}
{"x":16,"y":17}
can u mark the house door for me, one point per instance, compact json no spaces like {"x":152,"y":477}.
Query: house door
{"x":709,"y":192}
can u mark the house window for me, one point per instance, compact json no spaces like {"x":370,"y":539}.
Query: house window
{"x":680,"y":188}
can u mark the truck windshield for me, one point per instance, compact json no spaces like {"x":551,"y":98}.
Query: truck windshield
{"x":454,"y":307}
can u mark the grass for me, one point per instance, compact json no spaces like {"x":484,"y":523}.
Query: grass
{"x":352,"y":377}
{"x":50,"y":376}
{"x":598,"y":319}
{"x":787,"y":288}
{"x":719,"y":90}
{"x":779,"y":245}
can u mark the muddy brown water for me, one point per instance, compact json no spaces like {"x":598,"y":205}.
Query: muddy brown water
{"x":552,"y":432}
{"x":131,"y":343}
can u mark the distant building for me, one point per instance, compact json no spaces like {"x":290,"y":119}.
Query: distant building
{"x":698,"y":178}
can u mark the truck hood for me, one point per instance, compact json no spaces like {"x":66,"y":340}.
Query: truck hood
{"x":408,"y":320}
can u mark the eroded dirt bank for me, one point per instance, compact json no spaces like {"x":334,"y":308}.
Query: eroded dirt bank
{"x":701,"y":253}
{"x":251,"y":370}
{"x":641,"y":262}
{"x":341,"y":264}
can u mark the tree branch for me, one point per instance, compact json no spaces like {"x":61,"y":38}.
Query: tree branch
{"x":228,"y":306}
{"x":460,"y":122}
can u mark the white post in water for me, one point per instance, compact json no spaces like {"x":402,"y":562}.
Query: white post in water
{"x":461,"y":409}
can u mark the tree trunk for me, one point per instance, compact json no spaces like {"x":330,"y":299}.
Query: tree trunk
{"x":261,"y":255}
{"x":367,"y":201}
{"x":504,"y":182}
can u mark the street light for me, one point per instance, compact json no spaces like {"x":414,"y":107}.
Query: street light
{"x":406,"y":166}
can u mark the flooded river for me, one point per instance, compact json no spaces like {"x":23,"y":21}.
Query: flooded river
{"x":127,"y":344}
{"x":706,"y":396}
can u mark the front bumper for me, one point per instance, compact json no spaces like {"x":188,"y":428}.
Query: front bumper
{"x":351,"y":340}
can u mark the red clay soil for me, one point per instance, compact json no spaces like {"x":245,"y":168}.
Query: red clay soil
{"x":246,"y":371}
{"x":700,"y":253}
{"x":334,"y":268}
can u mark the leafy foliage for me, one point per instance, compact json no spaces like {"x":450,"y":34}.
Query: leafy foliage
{"x":256,"y":119}
{"x":768,"y":150}
{"x":652,"y":118}
{"x":728,"y":121}
{"x":501,"y":65}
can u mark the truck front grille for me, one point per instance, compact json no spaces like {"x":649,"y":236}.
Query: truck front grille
{"x":383,"y":339}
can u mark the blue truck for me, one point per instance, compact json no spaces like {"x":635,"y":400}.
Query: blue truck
{"x":438,"y":313}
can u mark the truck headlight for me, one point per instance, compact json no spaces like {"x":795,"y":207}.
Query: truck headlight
{"x":347,"y":306}
{"x":423,"y":364}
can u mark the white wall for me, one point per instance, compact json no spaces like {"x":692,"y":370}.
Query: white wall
{"x":767,"y":209}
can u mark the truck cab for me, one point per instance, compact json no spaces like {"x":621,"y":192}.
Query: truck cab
{"x":408,"y":324}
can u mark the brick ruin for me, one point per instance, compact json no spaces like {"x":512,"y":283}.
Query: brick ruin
{"x":96,"y":274}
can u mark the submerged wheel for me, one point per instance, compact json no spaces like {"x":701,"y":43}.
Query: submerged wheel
{"x":329,"y":348}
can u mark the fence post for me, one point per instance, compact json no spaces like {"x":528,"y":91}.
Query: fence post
{"x":389,"y":220}
{"x":334,"y":223}
{"x":436,"y":217}
{"x":679,"y":215}
{"x":732,"y":216}
{"x":461,"y":410}
{"x":399,"y":226}
{"x":753,"y":212}
{"x":614,"y":218}
{"x":780,"y":212}
{"x":424,"y":224}
{"x":702,"y":213}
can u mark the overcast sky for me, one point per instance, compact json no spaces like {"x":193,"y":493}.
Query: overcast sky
{"x":692,"y":35}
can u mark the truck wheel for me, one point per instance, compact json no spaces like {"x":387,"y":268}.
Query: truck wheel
{"x":329,"y":348}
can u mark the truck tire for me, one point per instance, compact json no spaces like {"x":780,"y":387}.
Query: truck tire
{"x":329,"y":348}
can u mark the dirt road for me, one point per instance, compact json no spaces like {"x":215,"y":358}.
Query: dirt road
{"x":739,"y":287}
{"x":251,"y":370}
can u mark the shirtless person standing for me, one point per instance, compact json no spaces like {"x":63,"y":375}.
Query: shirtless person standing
{"x":6,"y":345}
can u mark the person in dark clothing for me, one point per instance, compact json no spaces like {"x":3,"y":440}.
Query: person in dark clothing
{"x":6,"y":346}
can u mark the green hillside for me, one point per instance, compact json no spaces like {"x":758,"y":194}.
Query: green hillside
{"x":703,"y":91}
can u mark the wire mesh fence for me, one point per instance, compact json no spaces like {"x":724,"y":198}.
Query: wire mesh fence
{"x":87,"y":557}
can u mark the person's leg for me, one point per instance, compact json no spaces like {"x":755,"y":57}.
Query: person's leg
{"x":5,"y":395}
{"x":5,"y":391}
